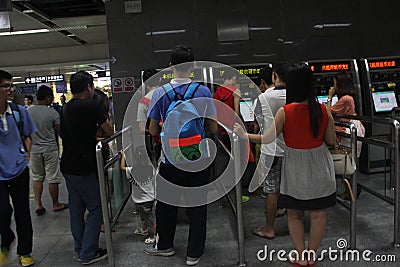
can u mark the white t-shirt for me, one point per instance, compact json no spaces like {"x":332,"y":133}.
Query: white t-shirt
{"x":143,"y":107}
{"x":143,"y":192}
{"x":271,"y":101}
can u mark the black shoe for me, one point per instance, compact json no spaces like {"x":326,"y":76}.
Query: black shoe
{"x":100,"y":255}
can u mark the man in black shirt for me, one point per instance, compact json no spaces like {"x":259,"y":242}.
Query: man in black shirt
{"x":82,"y":118}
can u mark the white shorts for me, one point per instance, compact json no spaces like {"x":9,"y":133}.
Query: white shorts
{"x":45,"y":165}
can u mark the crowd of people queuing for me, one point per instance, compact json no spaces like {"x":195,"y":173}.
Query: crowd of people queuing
{"x":295,"y":164}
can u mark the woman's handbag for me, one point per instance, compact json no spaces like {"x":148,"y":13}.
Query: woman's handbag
{"x":343,"y":161}
{"x":344,"y":164}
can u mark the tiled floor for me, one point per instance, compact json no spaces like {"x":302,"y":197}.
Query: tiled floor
{"x":53,"y":244}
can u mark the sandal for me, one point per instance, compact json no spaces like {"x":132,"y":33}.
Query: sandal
{"x":258,"y":232}
{"x":280,"y":213}
{"x":144,"y":232}
{"x":150,"y":240}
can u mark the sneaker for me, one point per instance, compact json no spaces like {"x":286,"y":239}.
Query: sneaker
{"x":263,"y":195}
{"x":159,"y":252}
{"x":100,"y":255}
{"x":4,"y":256}
{"x":245,"y":199}
{"x":192,"y":261}
{"x":26,"y":260}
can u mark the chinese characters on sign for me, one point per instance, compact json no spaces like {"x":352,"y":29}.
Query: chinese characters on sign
{"x":44,"y":79}
{"x":382,"y":64}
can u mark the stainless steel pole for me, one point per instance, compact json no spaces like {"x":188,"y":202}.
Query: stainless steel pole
{"x":239,"y":210}
{"x":104,"y":204}
{"x":353,"y":206}
{"x":396,"y":242}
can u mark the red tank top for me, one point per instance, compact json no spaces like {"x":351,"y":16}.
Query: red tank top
{"x":296,"y":130}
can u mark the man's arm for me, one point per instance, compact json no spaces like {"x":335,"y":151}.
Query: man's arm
{"x":58,"y":129}
{"x":106,"y":128}
{"x":154,"y":127}
{"x":211,"y":126}
{"x":28,"y":146}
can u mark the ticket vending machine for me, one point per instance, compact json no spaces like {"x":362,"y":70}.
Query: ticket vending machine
{"x":381,"y":94}
{"x":247,"y":83}
{"x":324,"y":72}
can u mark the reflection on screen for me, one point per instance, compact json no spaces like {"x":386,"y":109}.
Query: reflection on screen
{"x":384,"y":101}
{"x":247,"y":111}
{"x":323,"y":99}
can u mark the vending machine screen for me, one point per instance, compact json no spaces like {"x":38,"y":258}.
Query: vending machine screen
{"x":384,"y":101}
{"x":323,"y":99}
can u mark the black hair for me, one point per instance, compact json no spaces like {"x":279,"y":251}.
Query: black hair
{"x":29,"y":97}
{"x":101,"y":98}
{"x":300,"y":87}
{"x":182,"y":54}
{"x":229,"y":74}
{"x":280,"y":70}
{"x":266,"y":75}
{"x":344,"y":84}
{"x":79,"y":81}
{"x":147,"y":74}
{"x":4,"y":75}
{"x":43,"y":92}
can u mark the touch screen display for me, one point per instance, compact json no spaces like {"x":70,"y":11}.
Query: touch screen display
{"x":384,"y":101}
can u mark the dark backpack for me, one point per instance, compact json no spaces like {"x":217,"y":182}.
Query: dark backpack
{"x":183,"y":128}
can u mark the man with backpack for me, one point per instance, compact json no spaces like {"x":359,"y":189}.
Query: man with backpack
{"x":182,"y":151}
{"x":16,"y":127}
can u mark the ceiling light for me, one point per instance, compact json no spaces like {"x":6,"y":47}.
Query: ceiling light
{"x":165,"y":32}
{"x":78,"y":27}
{"x":70,"y":72}
{"x":17,"y":77}
{"x":264,"y":55}
{"x":331,"y":25}
{"x":260,"y":28}
{"x":27,"y":11}
{"x":163,"y":51}
{"x":18,"y":82}
{"x":227,"y":55}
{"x":24,"y":32}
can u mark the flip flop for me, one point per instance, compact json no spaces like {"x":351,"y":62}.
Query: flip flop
{"x":258,"y":232}
{"x":280,"y":214}
{"x":65,"y":206}
{"x":40,"y":211}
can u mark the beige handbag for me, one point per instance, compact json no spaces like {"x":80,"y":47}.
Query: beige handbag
{"x":344,"y":164}
{"x":343,"y":161}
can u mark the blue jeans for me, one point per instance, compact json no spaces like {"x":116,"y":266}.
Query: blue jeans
{"x":84,"y":194}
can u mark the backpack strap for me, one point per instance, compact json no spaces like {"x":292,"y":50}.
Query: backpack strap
{"x":191,"y":90}
{"x":169,"y":91}
{"x":16,"y":113}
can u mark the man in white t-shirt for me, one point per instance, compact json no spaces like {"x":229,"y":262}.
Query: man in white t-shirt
{"x":271,"y":157}
{"x":44,"y":160}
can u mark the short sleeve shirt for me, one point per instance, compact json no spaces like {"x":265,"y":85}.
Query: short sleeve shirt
{"x":160,"y":102}
{"x":79,"y":123}
{"x":44,"y":139}
{"x":12,"y":154}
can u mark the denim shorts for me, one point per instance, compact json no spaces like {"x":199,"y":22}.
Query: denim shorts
{"x":271,"y":170}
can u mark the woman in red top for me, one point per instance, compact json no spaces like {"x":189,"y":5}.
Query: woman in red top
{"x":308,"y":178}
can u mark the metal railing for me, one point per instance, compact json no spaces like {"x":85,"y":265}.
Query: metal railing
{"x":394,"y":147}
{"x":237,"y":208}
{"x":353,"y":204}
{"x":109,"y":216}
